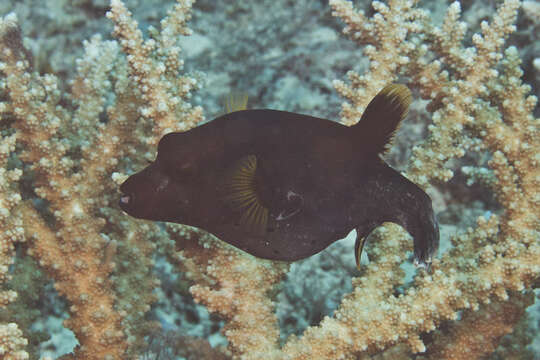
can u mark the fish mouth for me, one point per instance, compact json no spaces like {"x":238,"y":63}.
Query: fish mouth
{"x":125,"y":201}
{"x":127,"y":198}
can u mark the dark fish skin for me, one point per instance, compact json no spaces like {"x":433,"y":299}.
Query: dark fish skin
{"x":314,"y":180}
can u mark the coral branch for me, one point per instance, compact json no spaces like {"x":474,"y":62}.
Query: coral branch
{"x":12,"y":342}
{"x":65,"y":152}
{"x":147,"y":73}
{"x":479,"y":333}
{"x":71,"y":156}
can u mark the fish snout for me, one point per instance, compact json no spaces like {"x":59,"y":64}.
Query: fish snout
{"x":127,"y":199}
{"x":142,"y":193}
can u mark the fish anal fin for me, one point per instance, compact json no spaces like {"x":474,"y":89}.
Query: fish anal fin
{"x":382,"y":117}
{"x":358,"y":248}
{"x":362,"y":232}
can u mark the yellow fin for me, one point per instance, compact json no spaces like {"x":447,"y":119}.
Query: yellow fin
{"x":358,"y":247}
{"x":240,"y":193}
{"x":235,"y":101}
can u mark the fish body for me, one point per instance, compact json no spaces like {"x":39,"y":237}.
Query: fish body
{"x":281,"y":185}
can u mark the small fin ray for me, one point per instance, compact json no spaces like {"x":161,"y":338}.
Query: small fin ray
{"x":240,"y":193}
{"x":235,"y":101}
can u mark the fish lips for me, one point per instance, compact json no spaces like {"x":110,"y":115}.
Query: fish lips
{"x":124,"y":202}
{"x":127,"y":199}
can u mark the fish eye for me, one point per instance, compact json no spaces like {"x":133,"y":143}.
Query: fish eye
{"x":182,"y":171}
{"x":186,"y":167}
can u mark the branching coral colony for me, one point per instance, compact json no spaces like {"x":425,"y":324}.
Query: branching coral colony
{"x":100,"y":260}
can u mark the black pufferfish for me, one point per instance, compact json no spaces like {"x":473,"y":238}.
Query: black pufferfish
{"x":284,"y":186}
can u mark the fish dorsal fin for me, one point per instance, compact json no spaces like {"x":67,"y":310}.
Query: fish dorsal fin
{"x":235,"y":101}
{"x":239,"y":192}
{"x":383,"y":115}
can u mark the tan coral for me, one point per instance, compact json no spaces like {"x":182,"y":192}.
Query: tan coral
{"x":372,"y":318}
{"x":471,"y":110}
{"x":12,"y":342}
{"x":479,"y":333}
{"x":75,"y":248}
{"x":161,"y":103}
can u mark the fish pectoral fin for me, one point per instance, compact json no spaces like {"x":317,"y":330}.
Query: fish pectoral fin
{"x":239,"y":192}
{"x":358,"y":247}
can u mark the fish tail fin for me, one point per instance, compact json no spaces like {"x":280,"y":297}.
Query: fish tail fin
{"x":426,"y":240}
{"x":382,"y":117}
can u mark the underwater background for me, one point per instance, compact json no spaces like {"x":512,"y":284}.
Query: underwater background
{"x":284,"y":55}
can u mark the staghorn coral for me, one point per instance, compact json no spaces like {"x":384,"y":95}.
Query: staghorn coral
{"x":479,"y":333}
{"x":75,"y":146}
{"x":71,"y":156}
{"x":499,"y":255}
{"x":12,"y":342}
